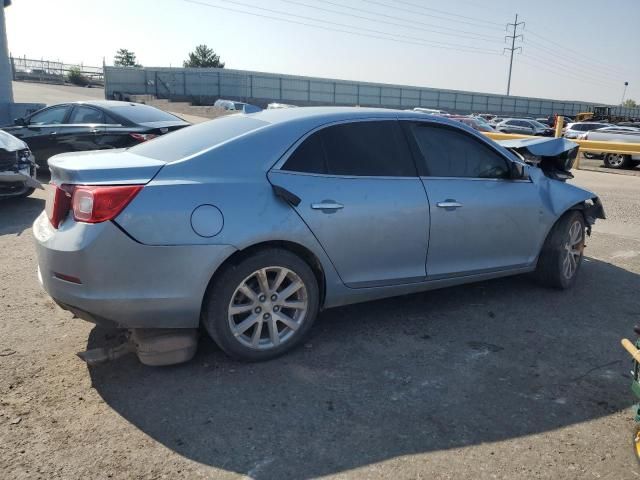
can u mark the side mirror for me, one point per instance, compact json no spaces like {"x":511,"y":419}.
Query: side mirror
{"x":21,"y":122}
{"x":518,"y":171}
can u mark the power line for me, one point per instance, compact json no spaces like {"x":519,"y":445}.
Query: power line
{"x":448,"y":13}
{"x":343,"y":25}
{"x":458,"y":32}
{"x":388,"y":36}
{"x":542,"y":66}
{"x":569,"y":59}
{"x":571,"y":69}
{"x":513,"y":48}
{"x":576,"y":52}
{"x":415,"y":12}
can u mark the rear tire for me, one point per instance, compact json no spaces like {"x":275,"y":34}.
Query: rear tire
{"x":262,"y":307}
{"x":561,"y":256}
{"x":617,"y":160}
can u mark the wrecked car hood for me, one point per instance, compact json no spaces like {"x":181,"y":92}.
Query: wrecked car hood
{"x":10,"y":143}
{"x":542,"y":147}
{"x":555,"y":156}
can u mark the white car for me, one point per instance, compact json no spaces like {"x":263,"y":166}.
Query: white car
{"x":274,"y":105}
{"x":17,"y":168}
{"x":615,"y":134}
{"x":229,"y":105}
{"x":576,"y":129}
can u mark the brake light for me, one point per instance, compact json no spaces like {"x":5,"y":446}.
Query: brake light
{"x":142,"y":137}
{"x":95,"y":204}
{"x":58,"y":204}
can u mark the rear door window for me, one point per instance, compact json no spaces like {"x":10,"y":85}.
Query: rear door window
{"x":369,"y":148}
{"x":86,"y":115}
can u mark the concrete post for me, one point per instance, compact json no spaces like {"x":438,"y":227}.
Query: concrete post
{"x":6,"y":90}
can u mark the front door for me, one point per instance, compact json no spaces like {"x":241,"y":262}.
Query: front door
{"x":41,"y":133}
{"x":481,"y":219}
{"x":361,"y":197}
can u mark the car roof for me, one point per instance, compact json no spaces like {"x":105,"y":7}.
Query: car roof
{"x":336,"y":114}
{"x":107,"y":104}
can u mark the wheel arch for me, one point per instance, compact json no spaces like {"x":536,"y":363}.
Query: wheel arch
{"x":301,"y":251}
{"x":590,"y":210}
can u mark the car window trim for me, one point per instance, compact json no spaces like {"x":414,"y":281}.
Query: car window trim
{"x":422,"y":169}
{"x":280,"y":163}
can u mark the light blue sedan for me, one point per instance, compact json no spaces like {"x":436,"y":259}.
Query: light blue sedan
{"x":250,"y":224}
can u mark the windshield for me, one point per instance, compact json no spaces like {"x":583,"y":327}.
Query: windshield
{"x":197,"y":138}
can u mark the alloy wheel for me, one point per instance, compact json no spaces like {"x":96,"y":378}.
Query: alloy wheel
{"x":573,"y":250}
{"x":268,"y":307}
{"x":615,"y":160}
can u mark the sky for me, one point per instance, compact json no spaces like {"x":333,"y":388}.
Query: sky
{"x":571,"y":49}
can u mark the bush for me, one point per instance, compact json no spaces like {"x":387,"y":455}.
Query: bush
{"x":75,"y":76}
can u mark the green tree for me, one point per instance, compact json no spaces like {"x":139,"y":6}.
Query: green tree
{"x":629,"y":103}
{"x":203,"y":57}
{"x":125,"y":58}
{"x":75,"y":76}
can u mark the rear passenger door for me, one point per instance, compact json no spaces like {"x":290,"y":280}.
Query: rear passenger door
{"x":361,"y":197}
{"x":481,"y":219}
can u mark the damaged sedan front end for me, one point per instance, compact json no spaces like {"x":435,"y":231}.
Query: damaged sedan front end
{"x":17,"y":168}
{"x":556,"y":157}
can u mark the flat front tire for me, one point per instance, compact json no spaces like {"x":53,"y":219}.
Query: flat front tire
{"x":561,"y":255}
{"x":263,"y":306}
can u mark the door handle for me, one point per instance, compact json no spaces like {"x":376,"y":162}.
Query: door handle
{"x":94,"y":130}
{"x":327,"y":206}
{"x":449,"y":204}
{"x":53,"y":134}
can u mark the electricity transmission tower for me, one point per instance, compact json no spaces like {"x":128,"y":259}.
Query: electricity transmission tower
{"x":513,"y":48}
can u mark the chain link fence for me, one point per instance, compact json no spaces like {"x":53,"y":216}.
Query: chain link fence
{"x":46,"y":71}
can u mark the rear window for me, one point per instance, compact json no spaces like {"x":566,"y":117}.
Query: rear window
{"x":191,"y":140}
{"x":139,"y":113}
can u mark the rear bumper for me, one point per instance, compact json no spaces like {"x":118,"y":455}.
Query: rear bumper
{"x":124,"y":283}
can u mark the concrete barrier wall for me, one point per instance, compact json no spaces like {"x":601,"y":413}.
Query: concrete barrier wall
{"x":205,"y":85}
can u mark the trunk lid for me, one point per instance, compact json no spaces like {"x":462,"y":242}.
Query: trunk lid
{"x":108,"y":167}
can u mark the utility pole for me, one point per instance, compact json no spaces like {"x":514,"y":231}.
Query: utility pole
{"x":513,"y":48}
{"x":6,"y":91}
{"x":624,"y":92}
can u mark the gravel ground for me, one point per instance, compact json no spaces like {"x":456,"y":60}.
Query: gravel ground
{"x":497,"y":380}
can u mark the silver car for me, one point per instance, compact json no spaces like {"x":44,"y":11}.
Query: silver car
{"x":620,"y":135}
{"x":249,"y":225}
{"x":578,"y":129}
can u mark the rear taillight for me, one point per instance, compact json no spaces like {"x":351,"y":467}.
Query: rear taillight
{"x":99,"y":204}
{"x":90,"y":204}
{"x":58,"y":204}
{"x":142,"y":137}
